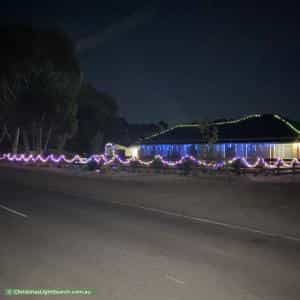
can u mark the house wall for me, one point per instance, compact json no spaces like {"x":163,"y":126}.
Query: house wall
{"x":223,"y":151}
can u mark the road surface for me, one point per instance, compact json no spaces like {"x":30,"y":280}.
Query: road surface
{"x":50,"y":240}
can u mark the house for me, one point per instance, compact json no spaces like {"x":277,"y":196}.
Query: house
{"x":126,"y":151}
{"x":268,"y":136}
{"x":124,"y":135}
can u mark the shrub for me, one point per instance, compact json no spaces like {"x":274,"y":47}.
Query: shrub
{"x":186,"y":167}
{"x":92,"y":165}
{"x":157,"y":165}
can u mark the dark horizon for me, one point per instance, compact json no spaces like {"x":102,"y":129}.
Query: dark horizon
{"x":178,"y":61}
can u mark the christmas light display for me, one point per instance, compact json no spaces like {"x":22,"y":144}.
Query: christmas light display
{"x":107,"y":161}
{"x":216,"y":123}
{"x":109,"y":149}
{"x":222,"y":150}
{"x":288,"y":124}
{"x":110,"y":158}
{"x":227,"y":122}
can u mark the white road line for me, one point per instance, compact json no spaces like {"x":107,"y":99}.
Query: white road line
{"x":213,"y":222}
{"x":13,"y":211}
{"x":174,"y":279}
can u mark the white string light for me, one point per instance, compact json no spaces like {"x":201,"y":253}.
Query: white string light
{"x":107,"y":161}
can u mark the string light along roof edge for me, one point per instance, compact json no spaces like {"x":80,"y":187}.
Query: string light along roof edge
{"x":228,"y":122}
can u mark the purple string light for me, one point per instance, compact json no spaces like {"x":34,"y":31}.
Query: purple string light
{"x":260,"y":162}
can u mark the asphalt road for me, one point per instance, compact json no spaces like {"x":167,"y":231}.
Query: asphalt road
{"x":49,"y":240}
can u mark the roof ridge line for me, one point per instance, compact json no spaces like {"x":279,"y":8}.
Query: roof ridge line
{"x":238,"y":120}
{"x":197,"y":125}
{"x":235,"y":121}
{"x":285,"y":121}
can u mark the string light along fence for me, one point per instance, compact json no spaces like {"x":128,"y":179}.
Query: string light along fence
{"x":186,"y":162}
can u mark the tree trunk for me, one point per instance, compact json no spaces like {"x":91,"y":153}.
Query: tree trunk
{"x":97,"y":142}
{"x":3,"y":134}
{"x":26,"y":141}
{"x":40,"y":140}
{"x":47,"y":139}
{"x":16,"y":141}
{"x":62,"y":143}
{"x":7,"y":133}
{"x":33,"y":143}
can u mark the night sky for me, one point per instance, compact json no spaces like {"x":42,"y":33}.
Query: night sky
{"x":182,"y":60}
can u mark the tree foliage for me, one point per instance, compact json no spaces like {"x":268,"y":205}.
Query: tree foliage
{"x":97,"y":112}
{"x":209,"y":134}
{"x":163,"y":125}
{"x":39,"y":83}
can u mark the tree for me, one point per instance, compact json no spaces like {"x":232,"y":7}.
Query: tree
{"x":39,"y":83}
{"x":97,"y":112}
{"x":163,"y":125}
{"x":209,"y":135}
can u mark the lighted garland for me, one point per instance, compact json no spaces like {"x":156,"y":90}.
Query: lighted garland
{"x":227,"y":122}
{"x":108,"y":161}
{"x":289,"y":124}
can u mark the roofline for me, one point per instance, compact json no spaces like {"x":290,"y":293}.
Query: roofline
{"x":286,"y":122}
{"x":237,"y":120}
{"x":222,"y":142}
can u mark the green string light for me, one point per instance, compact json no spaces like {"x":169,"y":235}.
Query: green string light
{"x":230,"y":122}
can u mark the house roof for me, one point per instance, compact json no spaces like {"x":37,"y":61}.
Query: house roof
{"x":252,"y":128}
{"x":128,"y":134}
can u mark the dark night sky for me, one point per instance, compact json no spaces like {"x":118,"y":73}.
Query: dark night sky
{"x":182,"y":60}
